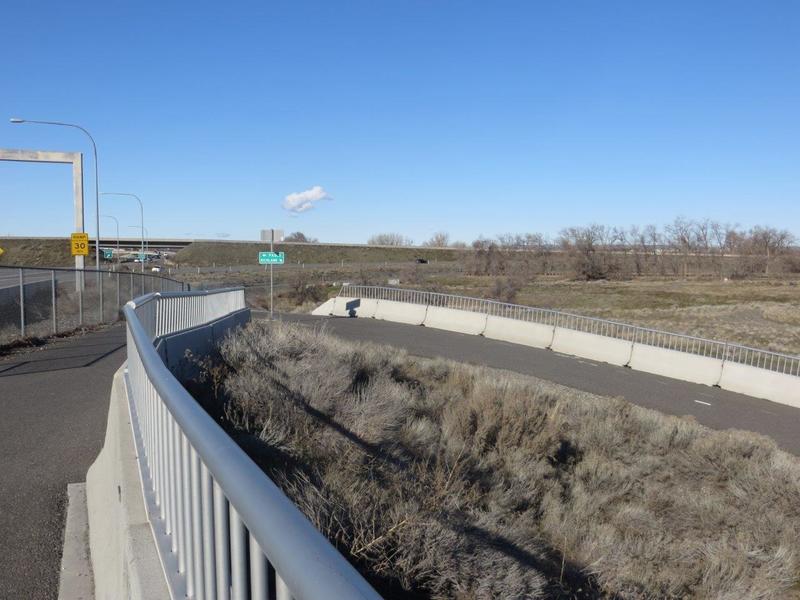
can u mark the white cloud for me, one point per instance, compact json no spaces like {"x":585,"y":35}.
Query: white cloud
{"x":299,"y":202}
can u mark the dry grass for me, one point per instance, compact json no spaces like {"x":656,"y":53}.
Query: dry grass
{"x":36,"y":252}
{"x":442,"y":480}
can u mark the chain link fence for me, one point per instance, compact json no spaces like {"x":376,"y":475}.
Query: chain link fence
{"x":39,"y":302}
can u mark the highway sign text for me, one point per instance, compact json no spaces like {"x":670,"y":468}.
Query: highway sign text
{"x":270,"y":258}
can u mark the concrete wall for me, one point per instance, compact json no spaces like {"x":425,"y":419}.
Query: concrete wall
{"x":123,"y":551}
{"x":678,"y":365}
{"x":518,"y":332}
{"x":460,"y":321}
{"x":199,"y":340}
{"x":326,"y":308}
{"x":401,"y":312}
{"x":761,"y":383}
{"x":354,"y":307}
{"x":594,"y":347}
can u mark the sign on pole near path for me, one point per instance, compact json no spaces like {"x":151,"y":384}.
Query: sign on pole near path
{"x":270,"y":258}
{"x":79,"y":244}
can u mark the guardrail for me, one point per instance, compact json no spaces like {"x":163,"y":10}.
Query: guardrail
{"x":725,"y":351}
{"x":224,"y":529}
{"x":37,"y":301}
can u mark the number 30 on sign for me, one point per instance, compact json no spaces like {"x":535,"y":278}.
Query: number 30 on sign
{"x":80,"y":244}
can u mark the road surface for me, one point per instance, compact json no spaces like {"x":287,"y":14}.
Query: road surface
{"x":713,"y":407}
{"x":53,"y":412}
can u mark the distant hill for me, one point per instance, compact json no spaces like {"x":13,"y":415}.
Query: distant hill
{"x":238,"y":253}
{"x":43,"y":252}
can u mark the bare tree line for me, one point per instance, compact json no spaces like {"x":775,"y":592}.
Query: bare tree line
{"x":681,"y":248}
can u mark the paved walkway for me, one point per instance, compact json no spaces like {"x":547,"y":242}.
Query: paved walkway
{"x":53,"y":411}
{"x":713,"y":407}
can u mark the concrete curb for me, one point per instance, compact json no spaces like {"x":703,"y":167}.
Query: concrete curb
{"x":123,"y":552}
{"x":76,"y":581}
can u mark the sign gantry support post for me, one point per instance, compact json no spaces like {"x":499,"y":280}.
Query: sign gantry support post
{"x":76,"y":160}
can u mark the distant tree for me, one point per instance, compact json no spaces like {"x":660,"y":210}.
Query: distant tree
{"x":770,"y":241}
{"x":440,"y":239}
{"x":389,"y":239}
{"x":589,"y":250}
{"x":299,"y":236}
{"x":681,"y":236}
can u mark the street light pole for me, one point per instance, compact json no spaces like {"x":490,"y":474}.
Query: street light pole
{"x":117,"y":222}
{"x":141,"y":215}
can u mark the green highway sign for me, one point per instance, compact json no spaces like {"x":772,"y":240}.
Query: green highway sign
{"x":270,"y":258}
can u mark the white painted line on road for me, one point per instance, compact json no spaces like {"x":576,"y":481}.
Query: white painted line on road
{"x":769,"y":412}
{"x":701,"y":402}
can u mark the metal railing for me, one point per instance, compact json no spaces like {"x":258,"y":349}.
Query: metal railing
{"x":39,"y":302}
{"x":224,"y":529}
{"x":725,"y":351}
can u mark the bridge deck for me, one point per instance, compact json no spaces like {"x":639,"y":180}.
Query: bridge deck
{"x":53,"y":411}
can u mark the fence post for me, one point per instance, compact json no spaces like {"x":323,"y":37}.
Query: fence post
{"x":100,"y":291}
{"x":80,"y":296}
{"x":130,"y":288}
{"x":118,"y":302}
{"x":53,"y":301}
{"x":22,"y":303}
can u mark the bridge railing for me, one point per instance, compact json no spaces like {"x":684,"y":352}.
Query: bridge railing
{"x":727,"y":351}
{"x":38,"y":302}
{"x":224,"y":529}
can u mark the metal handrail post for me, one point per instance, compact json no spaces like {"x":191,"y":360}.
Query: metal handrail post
{"x":22,"y":302}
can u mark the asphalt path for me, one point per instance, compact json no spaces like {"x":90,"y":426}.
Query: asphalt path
{"x":53,"y":413}
{"x":711,"y":406}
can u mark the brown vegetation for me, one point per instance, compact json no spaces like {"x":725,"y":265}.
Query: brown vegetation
{"x":443,"y":480}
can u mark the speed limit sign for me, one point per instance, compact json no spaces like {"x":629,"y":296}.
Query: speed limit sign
{"x":80,"y":244}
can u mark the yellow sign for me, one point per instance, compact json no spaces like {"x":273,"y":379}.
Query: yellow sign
{"x":80,"y":244}
{"x":1,"y":251}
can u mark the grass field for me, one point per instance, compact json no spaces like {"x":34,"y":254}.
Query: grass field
{"x":443,"y":480}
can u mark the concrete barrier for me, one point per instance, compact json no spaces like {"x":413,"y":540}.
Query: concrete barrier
{"x":354,"y":307}
{"x":761,"y":383}
{"x":124,"y":555}
{"x":594,"y":347}
{"x":678,"y":365}
{"x":451,"y":319}
{"x":518,"y":332}
{"x":324,"y":309}
{"x":200,"y":340}
{"x":401,"y":312}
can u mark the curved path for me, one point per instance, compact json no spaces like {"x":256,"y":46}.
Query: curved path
{"x":713,"y":407}
{"x":53,"y":413}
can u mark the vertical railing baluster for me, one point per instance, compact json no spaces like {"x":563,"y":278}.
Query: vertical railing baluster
{"x":222,"y":544}
{"x":239,"y":587}
{"x":259,"y":583}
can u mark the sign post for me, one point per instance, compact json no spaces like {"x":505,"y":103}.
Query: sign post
{"x":271,"y":258}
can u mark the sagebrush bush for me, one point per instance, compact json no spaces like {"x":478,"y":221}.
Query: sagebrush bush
{"x":445,"y":480}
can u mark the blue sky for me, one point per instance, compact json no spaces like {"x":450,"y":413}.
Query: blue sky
{"x":414,"y":116}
